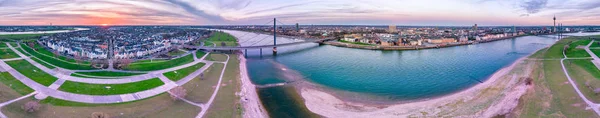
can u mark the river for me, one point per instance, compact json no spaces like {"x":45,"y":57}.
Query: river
{"x":373,"y":75}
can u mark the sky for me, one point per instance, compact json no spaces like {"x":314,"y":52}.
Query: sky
{"x":304,"y":12}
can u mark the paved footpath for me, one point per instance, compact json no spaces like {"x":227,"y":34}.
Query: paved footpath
{"x":594,"y":106}
{"x":595,"y":60}
{"x":129,"y":79}
{"x":14,"y":100}
{"x":99,"y":99}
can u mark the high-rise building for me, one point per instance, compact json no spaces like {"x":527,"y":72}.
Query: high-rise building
{"x":475,"y":28}
{"x":392,"y":28}
{"x":297,"y":27}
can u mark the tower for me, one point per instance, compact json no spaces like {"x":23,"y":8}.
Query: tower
{"x":297,"y":27}
{"x":475,"y":28}
{"x":554,"y":29}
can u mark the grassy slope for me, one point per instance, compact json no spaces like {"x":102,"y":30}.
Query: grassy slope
{"x":200,"y":54}
{"x":108,"y":74}
{"x":181,"y":73}
{"x":11,"y":87}
{"x":7,"y":54}
{"x":552,"y":95}
{"x":199,"y":91}
{"x":32,"y":72}
{"x":227,"y":104}
{"x":21,"y":37}
{"x":574,"y":52}
{"x":55,"y":61}
{"x":100,"y":89}
{"x":219,"y":37}
{"x":161,"y":65}
{"x":161,"y":106}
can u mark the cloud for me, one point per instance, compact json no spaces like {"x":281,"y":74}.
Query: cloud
{"x":191,"y":9}
{"x":534,"y":6}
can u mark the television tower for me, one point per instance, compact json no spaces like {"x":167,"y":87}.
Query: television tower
{"x":554,"y":29}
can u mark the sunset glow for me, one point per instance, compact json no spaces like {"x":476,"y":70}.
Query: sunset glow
{"x":382,"y":12}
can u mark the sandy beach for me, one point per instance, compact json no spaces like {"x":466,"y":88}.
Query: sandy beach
{"x":496,"y":96}
{"x":252,"y":106}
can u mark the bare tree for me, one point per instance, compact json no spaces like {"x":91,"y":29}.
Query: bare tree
{"x":77,"y":58}
{"x":31,"y":44}
{"x":178,"y":92}
{"x":125,"y":62}
{"x":31,"y":106}
{"x":55,"y":52}
{"x":100,"y":115}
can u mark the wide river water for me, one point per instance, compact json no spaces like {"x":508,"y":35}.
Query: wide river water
{"x":387,"y":75}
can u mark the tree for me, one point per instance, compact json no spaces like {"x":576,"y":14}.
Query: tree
{"x":223,"y":44}
{"x":100,"y":115}
{"x":55,"y":53}
{"x":31,"y":44}
{"x":123,"y":63}
{"x":178,"y":92}
{"x":201,"y":76}
{"x":31,"y":106}
{"x":528,"y":81}
{"x":77,"y":58}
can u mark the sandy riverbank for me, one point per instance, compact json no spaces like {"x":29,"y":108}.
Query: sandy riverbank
{"x":252,"y":106}
{"x":497,"y":95}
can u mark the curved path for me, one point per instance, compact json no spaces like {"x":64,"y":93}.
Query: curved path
{"x":99,"y":99}
{"x":206,"y":106}
{"x":592,"y":105}
{"x":121,"y":80}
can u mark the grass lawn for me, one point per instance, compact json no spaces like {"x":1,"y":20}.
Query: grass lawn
{"x":583,"y":71}
{"x":218,"y":37}
{"x":160,"y":106}
{"x":32,"y":72}
{"x":160,"y":65}
{"x":57,"y":61}
{"x":574,"y":52}
{"x":3,"y":45}
{"x":199,"y":91}
{"x":551,"y":95}
{"x":106,"y":74}
{"x":115,"y":89}
{"x":7,"y":54}
{"x":11,"y":87}
{"x":42,"y":62}
{"x":596,"y":44}
{"x":149,"y":61}
{"x":181,"y":73}
{"x":539,"y":54}
{"x":227,"y":104}
{"x":22,"y":37}
{"x":15,"y":84}
{"x":176,"y":53}
{"x":216,"y":57}
{"x":200,"y":54}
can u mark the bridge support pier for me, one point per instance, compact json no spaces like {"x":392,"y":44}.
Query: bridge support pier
{"x":261,"y":52}
{"x":246,"y":52}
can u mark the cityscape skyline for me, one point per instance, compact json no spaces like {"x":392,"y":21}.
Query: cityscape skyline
{"x":304,"y":12}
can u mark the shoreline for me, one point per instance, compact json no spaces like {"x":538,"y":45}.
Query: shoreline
{"x":252,"y":104}
{"x":327,"y":104}
{"x":418,"y":47}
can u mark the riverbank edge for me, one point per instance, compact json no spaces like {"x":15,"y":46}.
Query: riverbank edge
{"x":314,"y":97}
{"x":390,"y":48}
{"x":252,"y":104}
